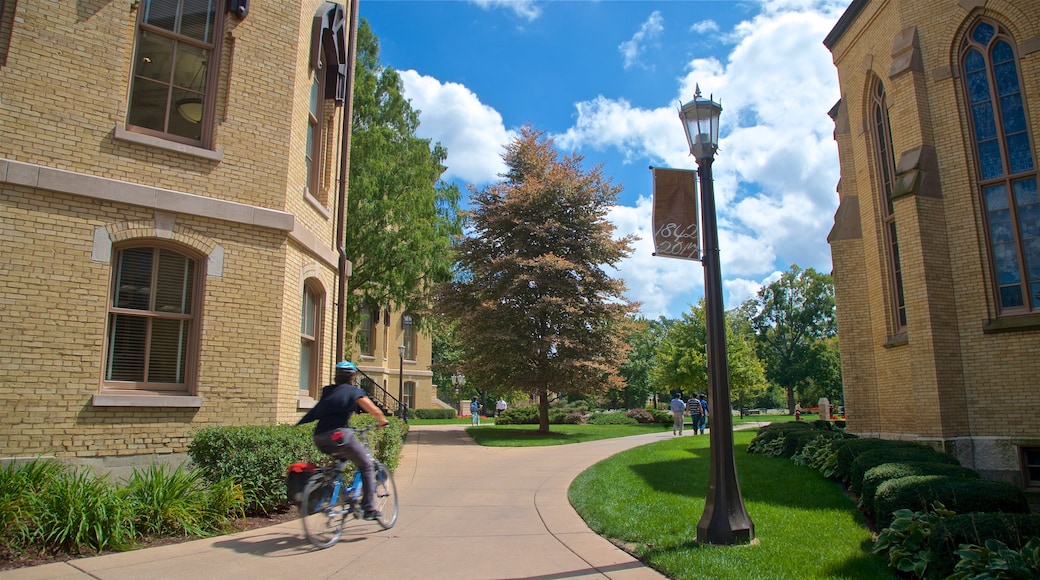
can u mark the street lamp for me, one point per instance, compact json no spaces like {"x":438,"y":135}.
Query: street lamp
{"x":725,"y":521}
{"x":400,"y":384}
{"x":459,"y":380}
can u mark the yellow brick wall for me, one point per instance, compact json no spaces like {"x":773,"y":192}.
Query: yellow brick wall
{"x":948,"y":382}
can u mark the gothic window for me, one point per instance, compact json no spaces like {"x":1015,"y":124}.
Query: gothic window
{"x":884,"y":157}
{"x":1004,"y":160}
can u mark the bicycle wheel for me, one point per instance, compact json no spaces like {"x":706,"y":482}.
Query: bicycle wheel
{"x":386,"y":496}
{"x":322,"y":520}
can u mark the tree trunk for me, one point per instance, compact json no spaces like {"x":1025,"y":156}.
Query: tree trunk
{"x":790,"y":400}
{"x":543,"y":410}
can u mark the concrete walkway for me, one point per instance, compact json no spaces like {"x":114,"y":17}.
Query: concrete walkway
{"x":466,"y":512}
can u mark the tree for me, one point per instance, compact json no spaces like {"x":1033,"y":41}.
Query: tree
{"x":536,"y":308}
{"x":790,"y":316}
{"x":401,"y":218}
{"x":682,"y":363}
{"x":643,"y":342}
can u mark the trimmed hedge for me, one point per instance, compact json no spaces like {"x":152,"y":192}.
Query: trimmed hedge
{"x":257,"y":456}
{"x":518,"y":416}
{"x":870,"y":459}
{"x":918,"y":492}
{"x":432,"y":413}
{"x":875,"y":476}
{"x":847,"y":451}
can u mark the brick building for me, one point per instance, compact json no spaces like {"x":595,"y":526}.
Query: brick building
{"x":169,"y":197}
{"x":936,"y":242}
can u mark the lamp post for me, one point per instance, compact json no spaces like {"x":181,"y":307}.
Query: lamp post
{"x":725,"y":520}
{"x":400,"y":384}
{"x":459,"y":380}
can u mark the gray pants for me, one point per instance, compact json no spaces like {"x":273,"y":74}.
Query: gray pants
{"x":342,"y":444}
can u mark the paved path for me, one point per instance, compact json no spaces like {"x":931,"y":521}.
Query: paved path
{"x":467,"y":512}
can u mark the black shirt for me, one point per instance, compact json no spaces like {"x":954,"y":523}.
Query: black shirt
{"x":333,"y":411}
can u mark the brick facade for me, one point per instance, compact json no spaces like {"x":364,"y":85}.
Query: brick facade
{"x":960,"y":375}
{"x":76,"y":186}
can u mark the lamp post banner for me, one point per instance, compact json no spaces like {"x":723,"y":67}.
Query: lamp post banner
{"x":676,"y":234}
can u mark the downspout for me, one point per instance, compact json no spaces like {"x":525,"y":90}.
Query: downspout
{"x":344,"y":176}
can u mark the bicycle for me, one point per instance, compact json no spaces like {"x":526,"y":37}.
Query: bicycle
{"x":327,"y":500}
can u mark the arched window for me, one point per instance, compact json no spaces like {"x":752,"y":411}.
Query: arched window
{"x":152,"y":338}
{"x":328,"y":82}
{"x":311,"y":325}
{"x":1004,"y":161}
{"x":175,"y":69}
{"x":885,"y":165}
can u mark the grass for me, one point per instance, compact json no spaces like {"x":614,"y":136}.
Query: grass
{"x":528,"y":435}
{"x":651,"y":498}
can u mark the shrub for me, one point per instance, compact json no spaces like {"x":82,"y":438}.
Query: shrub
{"x":518,"y":416}
{"x":640,"y":415}
{"x":256,"y":457}
{"x":612,"y":418}
{"x":575,"y":418}
{"x":874,"y":457}
{"x":905,"y":542}
{"x":178,"y":502}
{"x":1013,"y":530}
{"x":816,"y":451}
{"x":433,"y":413}
{"x":662,"y":416}
{"x":847,"y":451}
{"x":875,"y":476}
{"x":767,"y":436}
{"x":916,"y":492}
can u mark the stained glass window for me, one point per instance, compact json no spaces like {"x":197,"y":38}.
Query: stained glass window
{"x":1007,"y":172}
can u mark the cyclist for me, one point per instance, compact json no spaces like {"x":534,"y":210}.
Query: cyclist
{"x":338,"y":402}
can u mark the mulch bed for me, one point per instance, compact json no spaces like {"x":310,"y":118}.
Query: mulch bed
{"x":9,"y":561}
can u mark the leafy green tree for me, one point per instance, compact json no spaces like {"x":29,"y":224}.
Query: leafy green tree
{"x":402,"y":219}
{"x":790,"y":317}
{"x":643,"y":342}
{"x":536,"y":308}
{"x":682,"y":363}
{"x":824,"y":376}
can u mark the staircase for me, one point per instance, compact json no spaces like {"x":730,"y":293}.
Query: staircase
{"x":390,"y":405}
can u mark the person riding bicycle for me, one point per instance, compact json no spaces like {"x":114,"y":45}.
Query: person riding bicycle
{"x":332,"y":435}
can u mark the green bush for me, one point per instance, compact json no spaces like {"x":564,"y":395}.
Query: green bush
{"x":527,"y":415}
{"x":917,"y":492}
{"x":875,"y":476}
{"x":612,"y":418}
{"x":816,"y":451}
{"x":949,"y":534}
{"x":20,"y":485}
{"x":178,"y":502}
{"x":847,"y":451}
{"x":870,"y":459}
{"x":433,"y":413}
{"x":662,"y":416}
{"x":256,"y":457}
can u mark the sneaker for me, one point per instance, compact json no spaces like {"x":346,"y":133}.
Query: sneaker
{"x":373,"y":515}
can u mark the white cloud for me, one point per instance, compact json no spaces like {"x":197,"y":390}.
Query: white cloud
{"x":528,"y":9}
{"x":472,"y":132}
{"x":777,"y":165}
{"x":704,"y":26}
{"x":651,"y":29}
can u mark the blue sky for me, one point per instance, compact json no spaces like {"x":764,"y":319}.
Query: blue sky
{"x":605,"y":79}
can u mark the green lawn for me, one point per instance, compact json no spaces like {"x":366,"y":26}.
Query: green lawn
{"x":652,"y":497}
{"x":528,"y":435}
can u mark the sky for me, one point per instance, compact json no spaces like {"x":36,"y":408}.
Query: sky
{"x":605,"y":78}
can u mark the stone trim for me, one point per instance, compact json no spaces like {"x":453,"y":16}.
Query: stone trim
{"x":146,"y":400}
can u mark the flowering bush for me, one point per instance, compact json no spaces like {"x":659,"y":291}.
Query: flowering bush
{"x":640,"y":415}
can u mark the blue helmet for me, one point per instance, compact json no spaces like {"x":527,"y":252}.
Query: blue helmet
{"x":345,"y":371}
